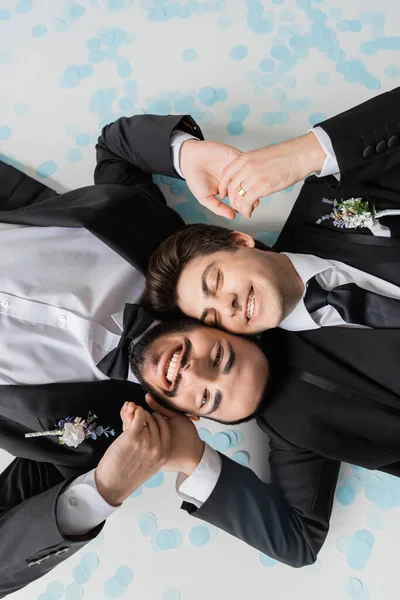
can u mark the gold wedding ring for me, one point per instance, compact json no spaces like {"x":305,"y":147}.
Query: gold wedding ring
{"x":242,"y":192}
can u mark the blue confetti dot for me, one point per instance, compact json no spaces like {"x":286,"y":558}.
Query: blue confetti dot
{"x":156,"y":13}
{"x":124,"y":68}
{"x":124,"y":575}
{"x":70,"y":77}
{"x":345,"y":495}
{"x":222,"y":94}
{"x":147,"y":524}
{"x":189,"y":55}
{"x":267,"y":65}
{"x":85,"y":71}
{"x":5,"y":14}
{"x":178,"y":537}
{"x":74,"y":591}
{"x":74,"y":155}
{"x":221,"y":442}
{"x":55,"y":589}
{"x":83,"y":139}
{"x":278,"y":94}
{"x":155,"y":481}
{"x":90,"y":561}
{"x":171,"y":595}
{"x":23,"y":6}
{"x":235,"y":127}
{"x":233,"y":436}
{"x":239,"y":52}
{"x":240,"y":112}
{"x":355,"y":588}
{"x":316,"y":118}
{"x":81,"y":574}
{"x":136,"y":493}
{"x":225,"y":22}
{"x":93,"y":44}
{"x":392,"y":71}
{"x":165,"y":539}
{"x":207,"y":96}
{"x":46,"y":169}
{"x":280,"y":53}
{"x":76,"y":10}
{"x":266,"y":561}
{"x":241,"y":457}
{"x":199,"y":536}
{"x":45,"y":597}
{"x":5,"y":132}
{"x":363,"y":535}
{"x":39,"y":31}
{"x":205,"y":436}
{"x":113,"y":588}
{"x":60,"y":25}
{"x":125,"y":103}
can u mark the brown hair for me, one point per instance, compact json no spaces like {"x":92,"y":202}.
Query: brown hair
{"x":167,"y":262}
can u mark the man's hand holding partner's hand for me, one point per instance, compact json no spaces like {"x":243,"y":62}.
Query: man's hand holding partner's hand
{"x":135,"y":456}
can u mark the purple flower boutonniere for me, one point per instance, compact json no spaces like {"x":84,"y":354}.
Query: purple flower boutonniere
{"x":74,"y":430}
{"x":354,"y":213}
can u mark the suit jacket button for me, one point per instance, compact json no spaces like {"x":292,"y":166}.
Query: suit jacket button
{"x":382,"y":146}
{"x":393,"y":141}
{"x":368,"y":152}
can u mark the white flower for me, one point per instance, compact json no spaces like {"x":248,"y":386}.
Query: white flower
{"x":74,"y":433}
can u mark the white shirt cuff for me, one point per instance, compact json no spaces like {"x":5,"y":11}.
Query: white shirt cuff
{"x":80,"y":508}
{"x":177,"y":139}
{"x":330,"y":166}
{"x":197,"y":488}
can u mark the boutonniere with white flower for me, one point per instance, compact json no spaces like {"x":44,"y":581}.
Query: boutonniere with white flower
{"x":354,"y":213}
{"x":72,"y":431}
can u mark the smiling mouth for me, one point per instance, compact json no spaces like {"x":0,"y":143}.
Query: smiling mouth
{"x":172,"y":365}
{"x":250,"y":305}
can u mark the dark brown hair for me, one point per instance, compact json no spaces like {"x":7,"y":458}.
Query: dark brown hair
{"x":167,"y":262}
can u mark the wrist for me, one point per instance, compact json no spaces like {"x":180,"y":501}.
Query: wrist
{"x":108,"y":492}
{"x":193,"y":461}
{"x":312,"y":157}
{"x":185,"y":154}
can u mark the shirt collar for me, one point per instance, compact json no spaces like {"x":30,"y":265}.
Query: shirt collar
{"x":307,"y":266}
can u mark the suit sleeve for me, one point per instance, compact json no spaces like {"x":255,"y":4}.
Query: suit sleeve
{"x":30,"y":540}
{"x":287,"y":519}
{"x":366,"y":139}
{"x":131,"y":149}
{"x":18,"y":190}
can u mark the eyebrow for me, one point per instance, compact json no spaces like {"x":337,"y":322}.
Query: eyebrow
{"x":204,"y":280}
{"x":231,"y":360}
{"x":217,"y":402}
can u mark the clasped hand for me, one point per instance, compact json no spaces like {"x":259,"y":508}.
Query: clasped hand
{"x":213,"y":169}
{"x":149,"y":442}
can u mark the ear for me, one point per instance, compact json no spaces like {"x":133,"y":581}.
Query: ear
{"x":193,"y":418}
{"x":242,"y":239}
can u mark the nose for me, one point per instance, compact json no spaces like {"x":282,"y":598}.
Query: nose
{"x":198,"y":371}
{"x":229,"y":305}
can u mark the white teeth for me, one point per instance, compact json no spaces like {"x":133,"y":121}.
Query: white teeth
{"x":250,"y":305}
{"x":171,"y":367}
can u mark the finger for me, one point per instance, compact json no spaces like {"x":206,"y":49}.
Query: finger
{"x":243,"y":204}
{"x":164,"y":430}
{"x":218,"y":207}
{"x":228,"y":173}
{"x":123,"y":410}
{"x":152,"y":428}
{"x":127,"y":421}
{"x":138,"y":421}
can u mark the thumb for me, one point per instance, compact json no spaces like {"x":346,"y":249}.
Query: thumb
{"x":170,"y":414}
{"x":218,"y":207}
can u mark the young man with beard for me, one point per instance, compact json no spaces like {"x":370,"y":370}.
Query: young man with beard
{"x":316,"y":410}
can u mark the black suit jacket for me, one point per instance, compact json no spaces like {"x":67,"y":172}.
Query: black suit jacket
{"x":334,"y":392}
